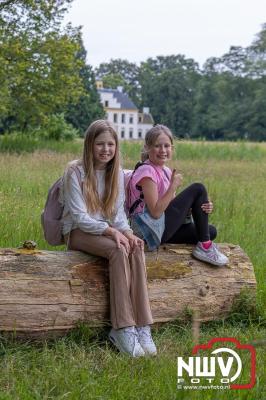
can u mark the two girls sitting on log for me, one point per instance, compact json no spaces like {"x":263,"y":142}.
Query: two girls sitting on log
{"x":94,"y":221}
{"x":160,"y":216}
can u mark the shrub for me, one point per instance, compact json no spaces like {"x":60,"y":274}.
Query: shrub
{"x":18,"y":142}
{"x":56,"y":128}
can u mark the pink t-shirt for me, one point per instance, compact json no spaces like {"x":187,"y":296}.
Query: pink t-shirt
{"x":160,"y":176}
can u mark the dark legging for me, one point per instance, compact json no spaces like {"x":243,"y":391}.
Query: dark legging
{"x":175,"y":214}
{"x":187,"y":234}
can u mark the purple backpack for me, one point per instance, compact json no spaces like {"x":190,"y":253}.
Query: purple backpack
{"x":53,"y":211}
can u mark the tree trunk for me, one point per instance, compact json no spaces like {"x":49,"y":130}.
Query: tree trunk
{"x":44,"y":292}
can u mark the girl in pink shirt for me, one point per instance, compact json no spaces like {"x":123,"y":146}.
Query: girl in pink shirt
{"x":157,"y":214}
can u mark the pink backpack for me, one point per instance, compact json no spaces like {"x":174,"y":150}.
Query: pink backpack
{"x":131,"y":204}
{"x":53,"y":211}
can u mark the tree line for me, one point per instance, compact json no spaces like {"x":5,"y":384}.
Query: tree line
{"x":46,"y":83}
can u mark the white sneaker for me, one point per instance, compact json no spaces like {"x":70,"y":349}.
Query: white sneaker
{"x":212,"y":255}
{"x":145,"y":340}
{"x":126,"y":340}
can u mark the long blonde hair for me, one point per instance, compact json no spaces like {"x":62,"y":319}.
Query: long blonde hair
{"x":91,"y":195}
{"x":151,"y":137}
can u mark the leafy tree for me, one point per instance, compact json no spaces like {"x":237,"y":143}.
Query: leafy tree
{"x":88,"y":107}
{"x":34,"y":16}
{"x":222,"y":106}
{"x":256,"y":123}
{"x":121,"y":73}
{"x":168,"y":87}
{"x":112,"y":81}
{"x":39,"y":67}
{"x":230,"y":95}
{"x":164,"y":63}
{"x":257,"y":55}
{"x":235,"y":62}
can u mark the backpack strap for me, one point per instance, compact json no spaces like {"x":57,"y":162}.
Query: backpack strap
{"x":78,"y":174}
{"x":138,"y":187}
{"x":166,"y":174}
{"x":136,"y":202}
{"x":141,"y":197}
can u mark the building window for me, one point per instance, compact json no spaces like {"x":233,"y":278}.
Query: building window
{"x":106,"y":103}
{"x":131,"y":133}
{"x":115,"y":117}
{"x":123,"y":117}
{"x":122,"y":134}
{"x":140,"y":134}
{"x":131,"y":119}
{"x":139,"y":118}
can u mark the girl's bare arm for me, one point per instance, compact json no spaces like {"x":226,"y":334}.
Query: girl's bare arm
{"x":155,"y":205}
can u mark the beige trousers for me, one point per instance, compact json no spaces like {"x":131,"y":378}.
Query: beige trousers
{"x":129,"y":301}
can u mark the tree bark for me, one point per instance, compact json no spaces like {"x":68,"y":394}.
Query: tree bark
{"x":49,"y":292}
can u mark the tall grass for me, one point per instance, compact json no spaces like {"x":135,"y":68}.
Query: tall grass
{"x":183,"y":150}
{"x":202,"y":151}
{"x":82,"y":366}
{"x":22,"y":143}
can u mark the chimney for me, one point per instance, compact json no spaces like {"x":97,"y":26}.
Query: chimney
{"x":146,"y":110}
{"x":99,"y":84}
{"x":120,"y":89}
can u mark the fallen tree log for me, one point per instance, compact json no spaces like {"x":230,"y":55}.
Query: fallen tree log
{"x":44,"y":292}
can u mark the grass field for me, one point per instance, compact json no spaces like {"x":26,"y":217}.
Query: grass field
{"x":83,"y":365}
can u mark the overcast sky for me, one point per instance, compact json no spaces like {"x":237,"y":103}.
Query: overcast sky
{"x":138,"y":29}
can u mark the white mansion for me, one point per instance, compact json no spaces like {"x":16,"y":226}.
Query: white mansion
{"x":122,"y":112}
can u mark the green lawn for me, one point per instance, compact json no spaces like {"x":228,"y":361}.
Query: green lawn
{"x":83,"y":365}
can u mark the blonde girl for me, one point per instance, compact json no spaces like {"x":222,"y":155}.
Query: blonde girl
{"x":157,"y":214}
{"x":94,"y":221}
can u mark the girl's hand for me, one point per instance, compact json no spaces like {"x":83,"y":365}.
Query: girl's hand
{"x":176,"y":180}
{"x":134,"y":241}
{"x":118,"y":237}
{"x":207,"y":207}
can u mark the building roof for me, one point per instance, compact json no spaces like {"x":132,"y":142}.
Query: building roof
{"x":146,"y":118}
{"x":121,"y":97}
